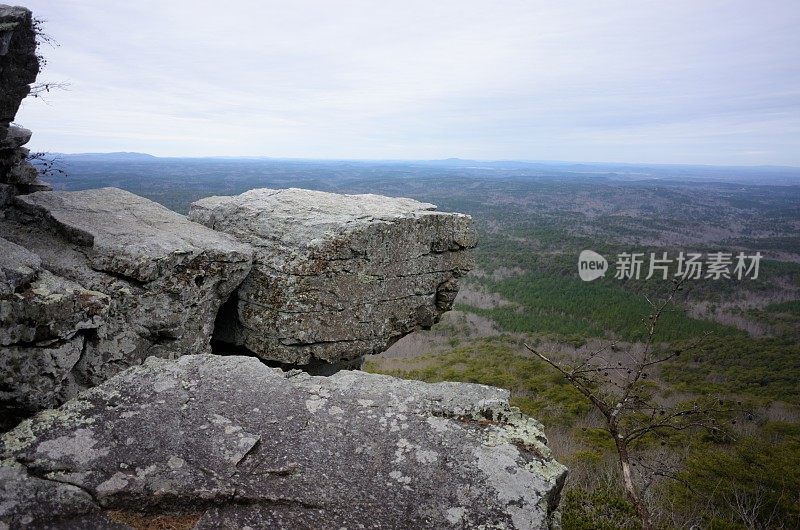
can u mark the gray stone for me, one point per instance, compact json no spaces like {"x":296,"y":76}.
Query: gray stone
{"x":132,"y":236}
{"x":43,"y":321}
{"x":240,"y":444}
{"x":31,"y":502}
{"x":125,"y":278}
{"x":17,"y":170}
{"x":36,"y":184}
{"x":48,"y":308}
{"x":24,"y":173}
{"x":336,"y":277}
{"x":19,"y":65}
{"x":34,"y":377}
{"x":15,"y":137}
{"x":18,"y":266}
{"x":7,"y":193}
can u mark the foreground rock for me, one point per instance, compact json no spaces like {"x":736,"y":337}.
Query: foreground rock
{"x":226,"y":442}
{"x":105,"y":279}
{"x":336,"y":277}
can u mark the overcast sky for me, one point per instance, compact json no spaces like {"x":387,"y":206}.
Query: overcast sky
{"x":696,"y":81}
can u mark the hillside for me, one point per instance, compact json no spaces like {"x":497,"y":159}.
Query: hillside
{"x":532,"y":225}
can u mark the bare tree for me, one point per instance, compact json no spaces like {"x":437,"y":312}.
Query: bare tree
{"x":47,"y":165}
{"x":622,"y":392}
{"x":44,"y":164}
{"x":41,"y":89}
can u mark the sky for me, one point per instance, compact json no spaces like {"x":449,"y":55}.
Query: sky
{"x":695,"y":82}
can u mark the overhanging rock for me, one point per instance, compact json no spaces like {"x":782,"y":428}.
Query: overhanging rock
{"x":110,"y":279}
{"x":19,"y":65}
{"x":335,"y":276}
{"x":229,"y":443}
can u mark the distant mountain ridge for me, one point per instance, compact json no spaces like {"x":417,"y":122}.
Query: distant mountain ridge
{"x":775,"y":175}
{"x":445,"y":162}
{"x":119,"y":156}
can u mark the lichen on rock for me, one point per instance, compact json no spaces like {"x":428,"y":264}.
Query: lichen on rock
{"x":108,"y":306}
{"x":336,"y":277}
{"x":113,"y":278}
{"x":243,"y":444}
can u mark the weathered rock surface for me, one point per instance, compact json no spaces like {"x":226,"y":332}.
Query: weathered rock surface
{"x":15,"y":137}
{"x":18,"y":62}
{"x":336,"y":277}
{"x":43,"y":319}
{"x":113,"y":278}
{"x":17,"y":266}
{"x":19,"y":66}
{"x":229,"y":443}
{"x":7,"y":193}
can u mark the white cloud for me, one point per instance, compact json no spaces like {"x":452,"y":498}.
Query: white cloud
{"x":681,"y":81}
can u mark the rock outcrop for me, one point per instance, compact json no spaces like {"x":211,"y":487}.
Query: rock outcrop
{"x":44,"y":319}
{"x":19,"y":66}
{"x":108,"y":306}
{"x":226,"y":442}
{"x":105,"y":279}
{"x":336,"y":277}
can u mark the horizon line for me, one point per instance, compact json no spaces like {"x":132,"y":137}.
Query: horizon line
{"x":454,"y":159}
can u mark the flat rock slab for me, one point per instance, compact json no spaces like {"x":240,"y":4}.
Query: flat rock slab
{"x":130,"y":235}
{"x":336,"y":277}
{"x":226,"y":442}
{"x":120,"y":278}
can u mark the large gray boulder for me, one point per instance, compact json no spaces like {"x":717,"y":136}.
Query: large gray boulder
{"x":114,"y":278}
{"x":226,"y":442}
{"x":335,"y":276}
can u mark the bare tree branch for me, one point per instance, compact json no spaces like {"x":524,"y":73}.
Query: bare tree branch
{"x":625,"y":398}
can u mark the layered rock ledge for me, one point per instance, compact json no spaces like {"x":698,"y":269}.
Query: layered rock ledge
{"x":336,"y":277}
{"x":108,"y":278}
{"x":19,"y":66}
{"x":226,"y":442}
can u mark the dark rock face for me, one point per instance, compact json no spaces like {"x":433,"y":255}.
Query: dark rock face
{"x":19,"y":66}
{"x":337,"y":277}
{"x":105,"y":279}
{"x":239,"y":444}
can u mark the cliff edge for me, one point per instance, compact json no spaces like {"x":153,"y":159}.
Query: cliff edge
{"x":158,"y":371}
